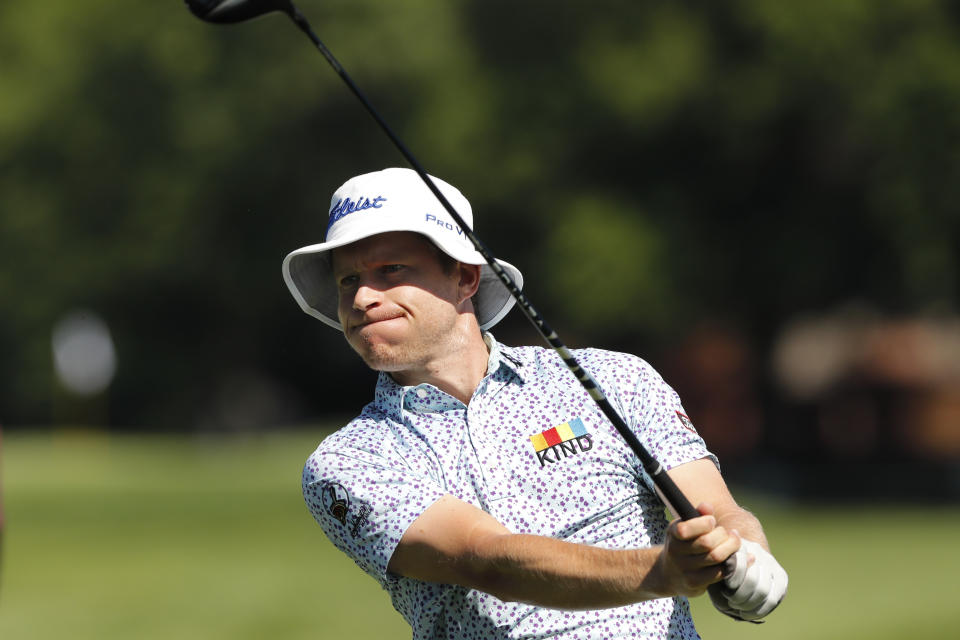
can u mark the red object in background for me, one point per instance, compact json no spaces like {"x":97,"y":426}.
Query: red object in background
{"x":713,"y":370}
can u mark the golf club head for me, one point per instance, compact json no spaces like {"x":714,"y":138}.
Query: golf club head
{"x":228,"y":11}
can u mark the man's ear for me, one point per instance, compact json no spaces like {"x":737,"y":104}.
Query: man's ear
{"x":469,"y":280}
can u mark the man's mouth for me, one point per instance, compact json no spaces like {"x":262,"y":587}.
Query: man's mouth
{"x":366,"y":322}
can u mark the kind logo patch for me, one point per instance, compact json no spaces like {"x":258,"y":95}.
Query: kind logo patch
{"x":562,"y":441}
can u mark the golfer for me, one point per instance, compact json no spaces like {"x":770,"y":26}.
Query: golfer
{"x":482,"y":487}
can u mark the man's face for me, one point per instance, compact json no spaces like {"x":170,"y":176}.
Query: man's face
{"x":398,"y":303}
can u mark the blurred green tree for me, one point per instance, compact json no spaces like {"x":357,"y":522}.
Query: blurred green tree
{"x":648,"y":166}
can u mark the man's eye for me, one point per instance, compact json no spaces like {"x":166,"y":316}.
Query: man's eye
{"x":392,"y":268}
{"x":348,"y":281}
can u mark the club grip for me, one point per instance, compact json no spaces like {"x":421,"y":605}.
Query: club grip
{"x":685,"y":511}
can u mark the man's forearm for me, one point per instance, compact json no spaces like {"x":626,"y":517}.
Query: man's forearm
{"x":553,"y":573}
{"x":453,"y":542}
{"x":744,"y":522}
{"x":701,"y":481}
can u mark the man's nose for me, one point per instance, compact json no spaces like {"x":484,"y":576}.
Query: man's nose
{"x":366,"y":297}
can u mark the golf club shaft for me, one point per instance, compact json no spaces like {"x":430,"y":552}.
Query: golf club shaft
{"x":668,"y":489}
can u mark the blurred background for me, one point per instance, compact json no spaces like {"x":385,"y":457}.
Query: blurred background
{"x":758,"y":198}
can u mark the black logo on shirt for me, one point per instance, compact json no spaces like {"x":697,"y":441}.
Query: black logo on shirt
{"x":360,"y":520}
{"x":336,"y":500}
{"x":553,"y":454}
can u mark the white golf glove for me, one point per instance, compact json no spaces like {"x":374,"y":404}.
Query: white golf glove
{"x":751,"y":593}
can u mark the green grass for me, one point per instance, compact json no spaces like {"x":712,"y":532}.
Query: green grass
{"x":868,"y":571}
{"x":174,"y":538}
{"x":159,"y":537}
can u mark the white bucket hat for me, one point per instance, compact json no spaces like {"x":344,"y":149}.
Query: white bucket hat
{"x":392,"y":200}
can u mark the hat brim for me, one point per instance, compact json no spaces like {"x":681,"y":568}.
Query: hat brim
{"x":308,"y":275}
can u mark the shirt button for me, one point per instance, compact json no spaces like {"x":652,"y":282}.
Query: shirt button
{"x":421,"y":393}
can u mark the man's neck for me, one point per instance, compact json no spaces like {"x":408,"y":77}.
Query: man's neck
{"x":457,"y":371}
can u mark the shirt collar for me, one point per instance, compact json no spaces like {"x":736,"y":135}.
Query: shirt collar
{"x":502,"y":356}
{"x":503,"y":363}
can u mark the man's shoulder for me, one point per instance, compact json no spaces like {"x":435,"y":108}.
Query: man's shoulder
{"x":548,"y":359}
{"x":616,"y":362}
{"x":360,"y":441}
{"x":362,"y":432}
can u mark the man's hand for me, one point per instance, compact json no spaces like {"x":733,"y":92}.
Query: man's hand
{"x":694,"y":553}
{"x":754,"y":593}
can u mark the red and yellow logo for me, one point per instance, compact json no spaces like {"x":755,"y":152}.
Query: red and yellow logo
{"x":569,"y":438}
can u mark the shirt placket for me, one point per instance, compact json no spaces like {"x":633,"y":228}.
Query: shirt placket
{"x":483,"y":433}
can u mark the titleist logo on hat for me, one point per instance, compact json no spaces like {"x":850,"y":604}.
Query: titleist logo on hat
{"x":346,"y":206}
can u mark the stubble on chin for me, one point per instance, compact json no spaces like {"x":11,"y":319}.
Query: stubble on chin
{"x":407,"y":355}
{"x":381,"y":356}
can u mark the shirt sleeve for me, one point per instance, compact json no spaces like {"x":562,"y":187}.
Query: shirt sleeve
{"x":661,"y":423}
{"x":651,"y":408}
{"x":364,"y":503}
